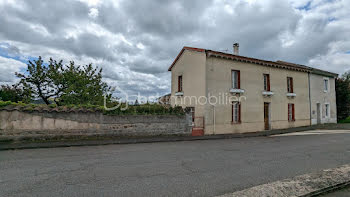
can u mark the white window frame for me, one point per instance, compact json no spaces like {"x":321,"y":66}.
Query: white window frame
{"x":236,"y":116}
{"x":266,"y":82}
{"x":235,"y":78}
{"x":325,"y":84}
{"x":327,"y":110}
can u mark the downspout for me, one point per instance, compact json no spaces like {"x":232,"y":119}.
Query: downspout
{"x":214,"y":121}
{"x":308,"y":75}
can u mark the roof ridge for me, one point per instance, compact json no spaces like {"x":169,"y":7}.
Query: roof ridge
{"x":279,"y":63}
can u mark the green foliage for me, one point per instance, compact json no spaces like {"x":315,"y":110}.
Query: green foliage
{"x":145,"y":109}
{"x":64,"y":85}
{"x":347,"y":120}
{"x":84,"y":85}
{"x":5,"y":103}
{"x":343,"y":96}
{"x":14,"y":93}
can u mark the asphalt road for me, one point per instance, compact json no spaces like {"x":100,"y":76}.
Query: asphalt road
{"x":191,"y":168}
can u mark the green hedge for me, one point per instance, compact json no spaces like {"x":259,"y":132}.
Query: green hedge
{"x":345,"y":121}
{"x":145,"y":109}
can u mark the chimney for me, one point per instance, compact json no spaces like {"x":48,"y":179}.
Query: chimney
{"x":235,"y":49}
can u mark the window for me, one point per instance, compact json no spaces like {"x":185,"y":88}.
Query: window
{"x":290,"y":85}
{"x":266,"y":82}
{"x":236,"y":79}
{"x":327,"y":110}
{"x":291,"y":112}
{"x":325,"y":83}
{"x":179,"y":81}
{"x":236,"y":112}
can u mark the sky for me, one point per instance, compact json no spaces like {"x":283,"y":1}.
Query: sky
{"x":135,"y":41}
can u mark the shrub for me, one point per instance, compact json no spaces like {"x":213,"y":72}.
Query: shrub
{"x":347,"y":120}
{"x":146,"y":109}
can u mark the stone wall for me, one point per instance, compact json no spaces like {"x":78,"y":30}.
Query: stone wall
{"x":44,"y":124}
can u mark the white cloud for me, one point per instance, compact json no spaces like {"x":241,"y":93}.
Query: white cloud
{"x":8,"y":67}
{"x":93,"y":13}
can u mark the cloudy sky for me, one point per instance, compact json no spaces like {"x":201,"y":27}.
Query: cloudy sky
{"x":136,"y":41}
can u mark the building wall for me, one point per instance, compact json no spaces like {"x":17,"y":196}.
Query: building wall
{"x":252,"y":114}
{"x":318,"y":95}
{"x":40,"y":124}
{"x":191,"y":65}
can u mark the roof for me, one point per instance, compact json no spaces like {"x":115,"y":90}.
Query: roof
{"x":277,"y":64}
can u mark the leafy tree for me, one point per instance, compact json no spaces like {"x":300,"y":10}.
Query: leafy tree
{"x":64,"y":85}
{"x":343,"y":96}
{"x":42,"y":81}
{"x":84,"y":85}
{"x":14,"y":93}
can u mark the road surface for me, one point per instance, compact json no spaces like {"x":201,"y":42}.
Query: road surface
{"x":189,"y":168}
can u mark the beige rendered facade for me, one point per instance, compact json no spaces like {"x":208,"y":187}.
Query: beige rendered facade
{"x":323,"y":99}
{"x":235,"y":94}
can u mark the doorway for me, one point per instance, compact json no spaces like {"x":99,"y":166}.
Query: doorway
{"x":318,"y":113}
{"x":267,"y":116}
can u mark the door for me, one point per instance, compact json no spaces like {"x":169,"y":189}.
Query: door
{"x":267,"y":116}
{"x":318,"y":113}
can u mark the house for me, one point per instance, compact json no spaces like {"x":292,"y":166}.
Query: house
{"x":229,"y":93}
{"x":164,"y":100}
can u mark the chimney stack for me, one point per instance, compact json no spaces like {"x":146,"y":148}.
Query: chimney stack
{"x":236,"y":49}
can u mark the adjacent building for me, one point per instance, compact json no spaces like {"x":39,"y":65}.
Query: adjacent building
{"x":229,"y":93}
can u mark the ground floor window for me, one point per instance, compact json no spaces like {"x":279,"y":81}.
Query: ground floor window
{"x":327,"y":110}
{"x":236,"y":112}
{"x":291,"y":112}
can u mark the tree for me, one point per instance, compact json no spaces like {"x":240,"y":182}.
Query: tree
{"x":14,"y":93}
{"x":43,"y":81}
{"x":64,"y":85}
{"x":343,"y":96}
{"x":84,"y":85}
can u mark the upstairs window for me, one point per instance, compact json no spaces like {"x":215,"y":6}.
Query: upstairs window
{"x":236,"y":112}
{"x":325,"y":84}
{"x":179,"y":84}
{"x":236,"y":79}
{"x":291,"y":112}
{"x":290,"y":85}
{"x":267,"y":82}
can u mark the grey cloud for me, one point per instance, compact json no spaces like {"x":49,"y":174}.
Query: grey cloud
{"x":268,"y":29}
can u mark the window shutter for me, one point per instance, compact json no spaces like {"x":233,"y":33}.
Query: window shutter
{"x":268,"y":82}
{"x":291,"y":86}
{"x":239,"y":112}
{"x":288,"y":112}
{"x":179,"y":85}
{"x":232,"y":115}
{"x":293,"y":112}
{"x":239,"y":79}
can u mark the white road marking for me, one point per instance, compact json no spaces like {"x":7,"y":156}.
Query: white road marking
{"x":314,"y":132}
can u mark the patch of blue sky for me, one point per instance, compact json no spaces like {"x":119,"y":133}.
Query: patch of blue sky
{"x":305,"y":7}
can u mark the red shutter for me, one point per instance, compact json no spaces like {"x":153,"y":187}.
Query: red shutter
{"x":232,"y":112}
{"x":288,"y":112}
{"x":291,"y":86}
{"x":293,"y":112}
{"x":179,"y":85}
{"x":239,"y":112}
{"x":239,"y":79}
{"x":268,"y":82}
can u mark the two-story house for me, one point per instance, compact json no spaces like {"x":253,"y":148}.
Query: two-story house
{"x":229,"y":93}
